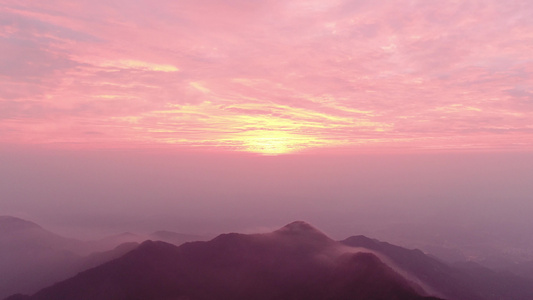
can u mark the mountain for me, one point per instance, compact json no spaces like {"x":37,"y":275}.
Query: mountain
{"x":174,"y":237}
{"x":98,"y":258}
{"x":26,"y":236}
{"x":112,"y":241}
{"x":32,"y":257}
{"x":12,"y":224}
{"x":27,"y":252}
{"x":461,"y":281}
{"x":295,"y":262}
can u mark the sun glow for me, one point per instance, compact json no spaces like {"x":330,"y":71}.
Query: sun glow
{"x":267,"y":142}
{"x":272,"y":145}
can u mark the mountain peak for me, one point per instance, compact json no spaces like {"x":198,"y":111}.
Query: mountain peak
{"x":154,"y":246}
{"x":298,"y":226}
{"x":302,"y":229}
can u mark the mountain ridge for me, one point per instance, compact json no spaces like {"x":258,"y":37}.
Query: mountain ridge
{"x":277,"y":265}
{"x":28,"y":250}
{"x":10,"y":223}
{"x":295,"y":262}
{"x":462,"y":282}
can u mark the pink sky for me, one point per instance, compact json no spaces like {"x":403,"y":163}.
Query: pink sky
{"x":267,"y":76}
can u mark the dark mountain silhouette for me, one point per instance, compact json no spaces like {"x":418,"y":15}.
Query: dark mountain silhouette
{"x":295,"y":262}
{"x":465,"y":281}
{"x":112,"y":241}
{"x":98,"y":258}
{"x":292,"y":263}
{"x":174,"y":237}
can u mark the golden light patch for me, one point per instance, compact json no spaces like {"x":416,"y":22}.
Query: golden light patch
{"x":139,"y":65}
{"x":456,"y":108}
{"x":270,"y":146}
{"x":107,"y":96}
{"x":200,"y":87}
{"x":273,"y":142}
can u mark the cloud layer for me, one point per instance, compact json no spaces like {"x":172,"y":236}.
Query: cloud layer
{"x":268,"y":76}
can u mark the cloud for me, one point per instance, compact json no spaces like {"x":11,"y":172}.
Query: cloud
{"x":138,"y":65}
{"x":411,"y":74}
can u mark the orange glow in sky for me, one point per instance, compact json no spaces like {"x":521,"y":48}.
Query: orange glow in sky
{"x":267,"y":77}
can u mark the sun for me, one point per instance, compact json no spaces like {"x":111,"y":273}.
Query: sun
{"x":272,"y":143}
{"x":270,"y":146}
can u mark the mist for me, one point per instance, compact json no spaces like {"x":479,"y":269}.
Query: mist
{"x":92,"y":193}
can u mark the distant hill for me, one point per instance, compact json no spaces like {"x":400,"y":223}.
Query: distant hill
{"x":26,"y":236}
{"x":174,"y":237}
{"x":462,"y":281}
{"x":32,"y":257}
{"x":292,"y":263}
{"x":9,"y":224}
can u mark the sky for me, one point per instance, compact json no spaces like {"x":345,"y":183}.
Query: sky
{"x":246,"y":113}
{"x":267,"y":76}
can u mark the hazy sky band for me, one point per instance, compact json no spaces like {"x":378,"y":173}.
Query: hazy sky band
{"x":267,"y":76}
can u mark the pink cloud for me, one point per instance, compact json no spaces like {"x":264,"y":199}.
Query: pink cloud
{"x":278,"y":74}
